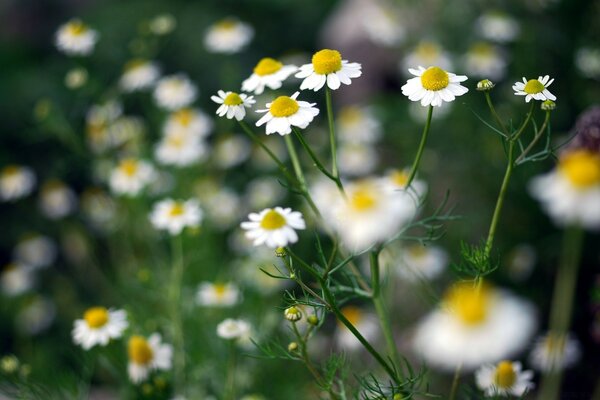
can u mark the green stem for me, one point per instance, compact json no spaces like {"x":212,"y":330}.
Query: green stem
{"x":488,"y":99}
{"x":517,"y":135}
{"x":175,"y":297}
{"x":332,"y":141}
{"x":299,"y":174}
{"x":536,"y":138}
{"x":415,"y":166}
{"x":313,"y":156}
{"x":455,"y":382}
{"x":231,"y":372}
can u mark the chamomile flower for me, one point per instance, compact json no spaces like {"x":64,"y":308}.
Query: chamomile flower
{"x":233,"y":329}
{"x":16,"y":278}
{"x":98,"y":207}
{"x":274,"y":227}
{"x":268,"y":72}
{"x":16,"y":182}
{"x":285,"y":112}
{"x":139,"y":74}
{"x":189,"y":121}
{"x":358,"y":125}
{"x":230,"y":150}
{"x":427,"y":53}
{"x":76,"y":38}
{"x":174,"y":92}
{"x":328,"y":67}
{"x":35,"y":250}
{"x":228,"y":36}
{"x":223,"y":207}
{"x":395,"y":180}
{"x":504,"y":379}
{"x":180,"y":149}
{"x":98,"y":326}
{"x":554,"y":352}
{"x":366,"y":323}
{"x":485,"y":61}
{"x":587,"y":61}
{"x":131,"y":176}
{"x":162,"y":24}
{"x":433,"y":85}
{"x":147,"y":355}
{"x":57,"y":200}
{"x":497,"y":26}
{"x":173,"y":216}
{"x":232,"y":105}
{"x":418,"y":262}
{"x":571,"y":193}
{"x":536,"y":89}
{"x":76,"y":78}
{"x":217,"y":294}
{"x":382,"y":24}
{"x":356,"y":159}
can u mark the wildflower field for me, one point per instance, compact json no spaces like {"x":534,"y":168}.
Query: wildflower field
{"x":269,"y":200}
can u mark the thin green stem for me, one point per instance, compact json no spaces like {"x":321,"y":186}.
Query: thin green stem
{"x":312,"y":155}
{"x":455,"y":381}
{"x":299,"y":174}
{"x":517,"y":135}
{"x":536,"y":138}
{"x":332,"y":141}
{"x":231,"y":366}
{"x":177,"y":320}
{"x":415,"y":166}
{"x":488,"y":99}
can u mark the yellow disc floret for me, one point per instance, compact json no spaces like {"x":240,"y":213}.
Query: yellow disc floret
{"x":352,"y":314}
{"x":284,"y":106}
{"x":267,"y":66}
{"x":233,"y":99}
{"x":96,"y":317}
{"x":272,"y":220}
{"x":399,"y":178}
{"x":184,"y":116}
{"x":435,"y":78}
{"x":363,"y":199}
{"x":76,"y":28}
{"x":534,"y":86}
{"x":220,"y":289}
{"x":135,"y":63}
{"x":11,"y":170}
{"x":581,"y":167}
{"x":227,"y":24}
{"x":327,"y":61}
{"x":177,"y":209}
{"x":505,"y":376}
{"x":139,"y":350}
{"x":468,"y":302}
{"x":129,"y":166}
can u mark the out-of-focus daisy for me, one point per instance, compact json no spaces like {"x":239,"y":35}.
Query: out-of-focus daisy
{"x":427,"y":53}
{"x":232,"y":105}
{"x":274,"y":227}
{"x":16,"y":278}
{"x":418,"y":262}
{"x":223,"y":207}
{"x":139,"y":74}
{"x":228,"y":36}
{"x":147,"y":355}
{"x":36,"y":316}
{"x":473,"y":326}
{"x":76,"y":38}
{"x":180,"y":149}
{"x":497,"y":27}
{"x":98,"y":207}
{"x":504,"y":379}
{"x":16,"y":182}
{"x":268,"y":72}
{"x":173,"y":216}
{"x":358,"y":125}
{"x":485,"y":61}
{"x":261,"y":192}
{"x":587,"y":61}
{"x":433,"y":85}
{"x":382,"y":24}
{"x":174,"y":92}
{"x":162,"y":24}
{"x":57,"y":200}
{"x":230,"y":150}
{"x":571,"y":192}
{"x":366,"y":323}
{"x":189,"y":121}
{"x":76,"y":78}
{"x":233,"y":329}
{"x":131,"y":176}
{"x":328,"y":67}
{"x":521,"y":261}
{"x":285,"y":112}
{"x":35,"y":250}
{"x":536,"y":89}
{"x":554,"y":352}
{"x":98,"y":326}
{"x":217,"y":294}
{"x":356,"y":159}
{"x":395,"y":180}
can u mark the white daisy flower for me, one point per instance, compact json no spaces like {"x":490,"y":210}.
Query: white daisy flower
{"x":174,"y":216}
{"x":233,"y":329}
{"x":485,"y":61}
{"x":366,"y":323}
{"x":382,"y":24}
{"x":76,"y":78}
{"x":217,"y":295}
{"x":395,"y":180}
{"x":131,"y":176}
{"x":16,"y":182}
{"x":497,"y":26}
{"x":418,"y":262}
{"x":174,"y":92}
{"x":327,"y":67}
{"x":147,"y":355}
{"x":36,"y":316}
{"x":180,"y":149}
{"x":162,"y":24}
{"x":433,"y":85}
{"x":504,"y":379}
{"x":189,"y":121}
{"x":223,"y":207}
{"x":587,"y":61}
{"x":427,"y":53}
{"x":139,"y":74}
{"x":230,"y":151}
{"x":268,"y":72}
{"x":358,"y":125}
{"x":261,"y":192}
{"x":285,"y":112}
{"x":553,"y":352}
{"x":76,"y":38}
{"x":232,"y":105}
{"x":98,"y":207}
{"x":35,"y":250}
{"x":356,"y":159}
{"x":16,"y":278}
{"x":536,"y":89}
{"x":98,"y":326}
{"x":474,"y":326}
{"x":570,"y":193}
{"x":228,"y":36}
{"x":57,"y":200}
{"x":274,"y":227}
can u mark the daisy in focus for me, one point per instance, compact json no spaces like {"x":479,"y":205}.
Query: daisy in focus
{"x":16,"y":182}
{"x":217,"y":295}
{"x":570,"y":193}
{"x":274,"y":227}
{"x":232,"y":105}
{"x":504,"y":379}
{"x":76,"y":38}
{"x":285,"y":112}
{"x":147,"y":355}
{"x":174,"y":92}
{"x":228,"y":36}
{"x":268,"y":72}
{"x":173,"y":216}
{"x":139,"y":74}
{"x":233,"y":329}
{"x":366,"y":323}
{"x":328,"y":67}
{"x":131,"y":176}
{"x":98,"y":326}
{"x":536,"y":89}
{"x":433,"y":85}
{"x":553,"y":352}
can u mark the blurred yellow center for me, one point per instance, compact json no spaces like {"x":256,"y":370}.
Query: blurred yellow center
{"x":233,"y":99}
{"x":400,"y":178}
{"x":76,"y":28}
{"x":220,"y":289}
{"x":226,"y":25}
{"x":327,"y":61}
{"x":469,"y":303}
{"x":184,"y":116}
{"x":267,"y":66}
{"x":139,"y":350}
{"x":284,"y":106}
{"x":435,"y":78}
{"x":129,"y":167}
{"x":176,"y":141}
{"x":352,"y":314}
{"x":96,"y":317}
{"x":135,"y":63}
{"x":177,"y":209}
{"x":362,"y":199}
{"x":10,"y":170}
{"x":417,"y":251}
{"x":534,"y":86}
{"x":505,"y":376}
{"x":482,"y":49}
{"x":272,"y":220}
{"x":581,"y":167}
{"x":428,"y":50}
{"x":350,"y":115}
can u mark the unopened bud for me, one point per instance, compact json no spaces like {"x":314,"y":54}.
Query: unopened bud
{"x":292,"y":314}
{"x":280,"y":252}
{"x":313,"y":320}
{"x":485,"y":85}
{"x":548,"y":105}
{"x":293,"y":346}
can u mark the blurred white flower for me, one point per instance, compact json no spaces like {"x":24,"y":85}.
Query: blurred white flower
{"x":395,"y":180}
{"x":427,"y":53}
{"x":146,"y":355}
{"x":16,"y":279}
{"x":228,"y":36}
{"x":356,"y":159}
{"x":173,"y":216}
{"x":35,"y":250}
{"x":98,"y":207}
{"x":498,"y":27}
{"x":16,"y":182}
{"x":262,"y":192}
{"x":223,"y":207}
{"x":76,"y":78}
{"x":554,"y":352}
{"x":268,"y":72}
{"x":285,"y":112}
{"x":76,"y":38}
{"x":484,"y":60}
{"x":274,"y":227}
{"x":230,"y":150}
{"x":139,"y":74}
{"x":217,"y":294}
{"x":433,"y":85}
{"x":327,"y":67}
{"x":162,"y":24}
{"x":382,"y":23}
{"x":232,"y":105}
{"x":131,"y":176}
{"x":36,"y":316}
{"x":57,"y":200}
{"x":357,"y":124}
{"x":180,"y":149}
{"x":174,"y":92}
{"x":232,"y":329}
{"x":587,"y":61}
{"x":416,"y":262}
{"x":189,"y":121}
{"x":366,"y":323}
{"x":504,"y":379}
{"x":536,"y":89}
{"x":98,"y":326}
{"x":251,"y":271}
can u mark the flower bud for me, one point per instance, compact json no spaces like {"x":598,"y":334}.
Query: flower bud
{"x":313,"y":320}
{"x":280,"y":252}
{"x":292,"y":314}
{"x":293,"y":346}
{"x":485,"y":85}
{"x":548,"y":105}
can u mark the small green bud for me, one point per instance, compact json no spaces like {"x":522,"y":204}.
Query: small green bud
{"x":313,"y":320}
{"x":292,"y":314}
{"x":9,"y":364}
{"x":292,"y":347}
{"x":485,"y":85}
{"x":548,"y":105}
{"x":280,"y":252}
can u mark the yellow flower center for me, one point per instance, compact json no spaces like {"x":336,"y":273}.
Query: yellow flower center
{"x":272,"y":220}
{"x":363,"y":199}
{"x":435,"y":78}
{"x":284,"y":106}
{"x":226,"y":25}
{"x":176,"y":141}
{"x":327,"y":61}
{"x":468,"y":302}
{"x":184,"y":116}
{"x":129,"y":167}
{"x":417,"y":251}
{"x":534,"y":86}
{"x":267,"y":66}
{"x":76,"y":28}
{"x":135,"y":63}
{"x":177,"y":210}
{"x":220,"y":289}
{"x":11,"y":170}
{"x":581,"y":167}
{"x":400,"y":178}
{"x":139,"y":350}
{"x":233,"y":99}
{"x":505,"y":376}
{"x":482,"y":49}
{"x":350,"y":115}
{"x":352,"y":314}
{"x":96,"y":317}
